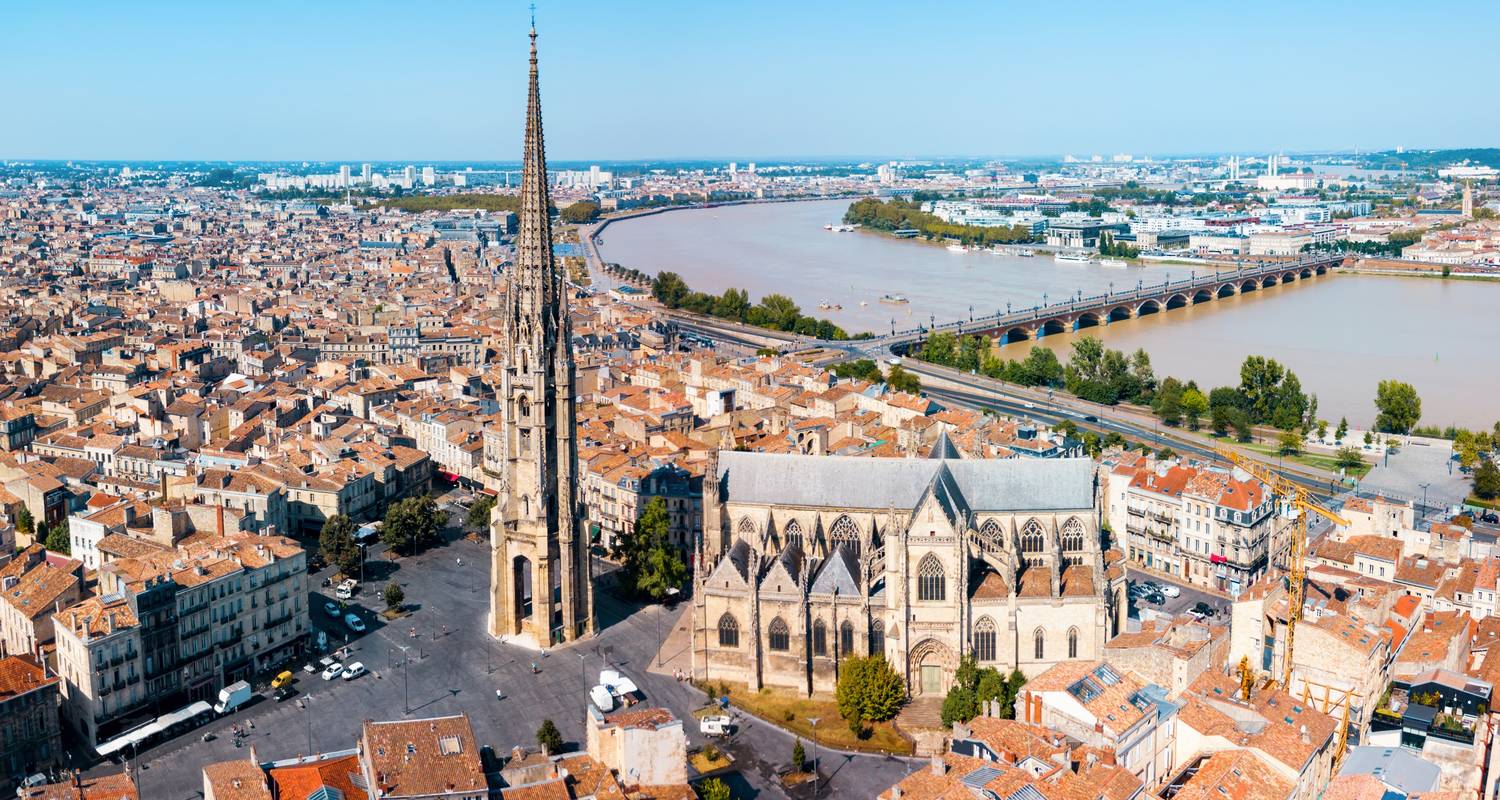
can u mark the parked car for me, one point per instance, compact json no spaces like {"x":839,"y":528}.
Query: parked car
{"x":284,"y":679}
{"x":332,"y":609}
{"x":334,"y":670}
{"x":354,"y":622}
{"x":1204,"y":608}
{"x":354,"y":671}
{"x":285,"y":693}
{"x":346,"y":589}
{"x":1171,"y":591}
{"x":719,"y":725}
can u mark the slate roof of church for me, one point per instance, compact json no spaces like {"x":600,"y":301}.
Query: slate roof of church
{"x":788,"y":479}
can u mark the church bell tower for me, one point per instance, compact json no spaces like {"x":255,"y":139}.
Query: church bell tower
{"x":540,"y":588}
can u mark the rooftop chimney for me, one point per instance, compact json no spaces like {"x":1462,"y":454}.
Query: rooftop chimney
{"x":939,"y":766}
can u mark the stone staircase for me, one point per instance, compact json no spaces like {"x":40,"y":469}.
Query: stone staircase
{"x":922,"y":721}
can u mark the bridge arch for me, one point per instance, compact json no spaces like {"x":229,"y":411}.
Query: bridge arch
{"x":1051,"y":327}
{"x":1288,"y":277}
{"x":1249,"y":286}
{"x":1269,"y":280}
{"x":1119,"y":313}
{"x":1177,"y":300}
{"x":1202,"y":296}
{"x":1013,"y":335}
{"x":1305,"y":273}
{"x":1087,"y":319}
{"x":1148,"y":307}
{"x":1227,"y":290}
{"x":1321,"y":269}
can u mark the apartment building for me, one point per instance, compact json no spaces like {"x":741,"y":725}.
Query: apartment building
{"x":30,"y":739}
{"x":1213,"y":527}
{"x":176,"y":624}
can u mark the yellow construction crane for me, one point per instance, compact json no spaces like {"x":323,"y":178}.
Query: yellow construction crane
{"x":1299,"y":498}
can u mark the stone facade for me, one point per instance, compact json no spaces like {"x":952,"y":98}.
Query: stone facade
{"x":807,"y":559}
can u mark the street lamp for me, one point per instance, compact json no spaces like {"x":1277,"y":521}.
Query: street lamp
{"x":1007,"y":308}
{"x":1423,"y":515}
{"x":814,"y":721}
{"x":1044,"y":299}
{"x":971,"y":312}
{"x":1111,"y":289}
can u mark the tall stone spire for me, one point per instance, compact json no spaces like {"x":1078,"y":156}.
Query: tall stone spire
{"x":540,"y":585}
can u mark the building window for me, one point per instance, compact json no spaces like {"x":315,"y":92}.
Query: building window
{"x":845,"y":534}
{"x":984,"y":640}
{"x":1039,"y":644}
{"x":1072,"y":643}
{"x":777,"y":637}
{"x":729,"y":631}
{"x":930,"y":579}
{"x":877,"y":638}
{"x":1032,"y":537}
{"x":1072,"y":535}
{"x":820,"y":638}
{"x":846,"y":638}
{"x":793,"y":533}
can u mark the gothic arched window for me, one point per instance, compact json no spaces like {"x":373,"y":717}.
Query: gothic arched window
{"x":523,"y":408}
{"x":793,"y":534}
{"x":1039,"y":643}
{"x":1031,"y":537}
{"x":729,"y":631}
{"x":777,"y":637}
{"x":525,"y":507}
{"x":845,"y":533}
{"x":1072,"y":535}
{"x":991,"y":538}
{"x":931,"y":582}
{"x":1072,"y":643}
{"x":984,"y":640}
{"x":820,"y":638}
{"x":747,"y":525}
{"x":846,"y":638}
{"x":877,"y":638}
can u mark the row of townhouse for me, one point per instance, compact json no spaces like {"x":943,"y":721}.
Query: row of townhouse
{"x":174,"y":625}
{"x":1213,"y":527}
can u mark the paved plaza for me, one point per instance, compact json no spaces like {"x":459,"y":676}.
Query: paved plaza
{"x":452,"y":666}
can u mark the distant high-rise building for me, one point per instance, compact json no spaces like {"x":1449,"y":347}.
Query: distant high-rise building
{"x":1468,"y":200}
{"x":460,"y":179}
{"x":409,"y":176}
{"x":751,"y":169}
{"x":364,"y":174}
{"x":344,"y":177}
{"x":429,"y":176}
{"x":733,"y":169}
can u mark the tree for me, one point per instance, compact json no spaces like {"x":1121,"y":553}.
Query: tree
{"x":411,"y":523}
{"x":799,"y":757}
{"x":58,"y":539}
{"x":1039,"y":368}
{"x":903,"y":381}
{"x":960,"y":705}
{"x":1194,"y":406}
{"x":1348,"y":458}
{"x":479,"y":513}
{"x":869,"y":690}
{"x":1142,"y":378}
{"x":549,"y":738}
{"x":733,"y":304}
{"x":1399,"y":407}
{"x":1221,"y":418}
{"x":714,"y":789}
{"x":336,"y":543}
{"x":1289,"y":443}
{"x":1241,"y":422}
{"x":25,"y":523}
{"x":1487,"y":480}
{"x":863,"y":369}
{"x":1369,"y":439}
{"x":1343,"y":429}
{"x":1260,"y":382}
{"x":669,"y":289}
{"x":393,"y":595}
{"x":1168,"y":403}
{"x":583,"y":211}
{"x":652,"y":566}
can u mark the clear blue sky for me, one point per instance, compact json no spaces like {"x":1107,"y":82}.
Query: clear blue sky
{"x":444,"y":79}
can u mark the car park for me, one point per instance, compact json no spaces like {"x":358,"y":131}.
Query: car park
{"x":333,"y":671}
{"x":354,"y":622}
{"x":354,"y":671}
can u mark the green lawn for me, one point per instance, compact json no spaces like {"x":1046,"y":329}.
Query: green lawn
{"x":790,"y":710}
{"x":1315,"y":460}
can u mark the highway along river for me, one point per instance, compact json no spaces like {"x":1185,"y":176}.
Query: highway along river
{"x":1341,"y":334}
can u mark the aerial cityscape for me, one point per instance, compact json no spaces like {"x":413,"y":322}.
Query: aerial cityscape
{"x":842,"y":410}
